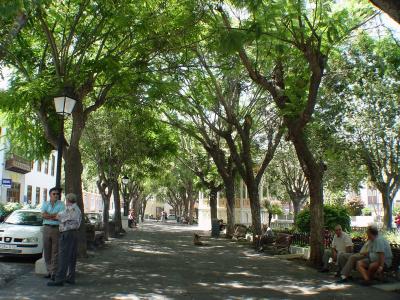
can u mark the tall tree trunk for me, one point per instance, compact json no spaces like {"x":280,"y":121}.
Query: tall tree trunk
{"x":213,"y":204}
{"x":254,"y":197}
{"x":269,"y":219}
{"x":314,"y":173}
{"x":144,"y":204}
{"x":73,"y":184}
{"x":391,"y":7}
{"x":117,"y":207}
{"x":106,"y":216}
{"x":296,"y":207}
{"x":387,"y":202}
{"x":230,"y":207}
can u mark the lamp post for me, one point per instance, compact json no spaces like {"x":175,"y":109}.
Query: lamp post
{"x":125,"y":181}
{"x":64,"y":107}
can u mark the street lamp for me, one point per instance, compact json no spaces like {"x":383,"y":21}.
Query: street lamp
{"x":64,"y":107}
{"x":125,"y":181}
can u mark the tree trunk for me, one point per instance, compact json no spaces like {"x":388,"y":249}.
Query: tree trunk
{"x":106,"y":216}
{"x":387,"y":202}
{"x":117,"y":207}
{"x":314,"y":173}
{"x":269,"y":219}
{"x":213,"y":204}
{"x":230,"y":207}
{"x":296,"y":208}
{"x":254,"y":197}
{"x":143,"y":205}
{"x":391,"y":7}
{"x":73,"y":184}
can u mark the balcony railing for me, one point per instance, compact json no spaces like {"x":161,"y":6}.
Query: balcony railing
{"x":18,"y":164}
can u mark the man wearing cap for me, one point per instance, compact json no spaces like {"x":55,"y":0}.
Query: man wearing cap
{"x":51,"y":232}
{"x":70,"y":220}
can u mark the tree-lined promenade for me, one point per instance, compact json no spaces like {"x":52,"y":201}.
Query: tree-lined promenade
{"x":300,"y":97}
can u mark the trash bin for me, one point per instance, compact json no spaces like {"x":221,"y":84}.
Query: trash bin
{"x":214,"y":228}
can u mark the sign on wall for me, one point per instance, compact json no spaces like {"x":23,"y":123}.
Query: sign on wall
{"x":6,"y":183}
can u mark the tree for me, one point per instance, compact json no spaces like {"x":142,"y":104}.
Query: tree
{"x":284,"y":47}
{"x":391,"y":7}
{"x":367,"y":96}
{"x":355,"y":207}
{"x":119,"y":140}
{"x":13,"y":18}
{"x":287,"y":171}
{"x":195,"y":158}
{"x":83,"y":50}
{"x":273,"y":208}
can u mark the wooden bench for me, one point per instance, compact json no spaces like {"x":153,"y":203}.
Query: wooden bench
{"x":281,"y":244}
{"x":393,"y":271}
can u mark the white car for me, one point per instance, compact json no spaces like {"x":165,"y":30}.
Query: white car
{"x":21,"y":233}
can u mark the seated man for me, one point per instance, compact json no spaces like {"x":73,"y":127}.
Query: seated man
{"x":379,"y":256}
{"x":341,"y":244}
{"x":348,"y":261}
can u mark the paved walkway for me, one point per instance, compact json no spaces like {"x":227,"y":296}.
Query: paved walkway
{"x":160,"y":262}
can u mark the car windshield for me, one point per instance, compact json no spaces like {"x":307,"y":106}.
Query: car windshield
{"x":25,"y":218}
{"x":93,"y":216}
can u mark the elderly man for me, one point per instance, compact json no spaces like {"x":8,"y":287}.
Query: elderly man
{"x":348,"y":263}
{"x":51,"y":232}
{"x":379,"y":256}
{"x":341,"y":244}
{"x":70,"y":220}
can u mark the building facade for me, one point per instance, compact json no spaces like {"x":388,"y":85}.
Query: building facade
{"x":24,"y":181}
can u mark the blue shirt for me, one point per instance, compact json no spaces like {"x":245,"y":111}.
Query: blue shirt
{"x":380,"y":245}
{"x":50,"y":209}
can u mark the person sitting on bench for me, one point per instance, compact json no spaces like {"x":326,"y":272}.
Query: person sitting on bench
{"x":341,"y":244}
{"x":379,"y":256}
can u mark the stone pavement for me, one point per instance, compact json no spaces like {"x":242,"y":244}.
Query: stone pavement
{"x":159,"y":261}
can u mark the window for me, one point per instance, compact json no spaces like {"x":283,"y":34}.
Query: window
{"x":46,"y":166}
{"x":29,"y":194}
{"x":39,"y":166}
{"x":37,"y":195}
{"x":44,"y":195}
{"x":53,"y":164}
{"x":13,"y":193}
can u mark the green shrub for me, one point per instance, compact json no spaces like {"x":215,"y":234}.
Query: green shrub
{"x":11,"y":206}
{"x":396,"y":210}
{"x":3,"y":212}
{"x":366,"y":211}
{"x":392,"y":236}
{"x":355,"y":207}
{"x":333,"y":215}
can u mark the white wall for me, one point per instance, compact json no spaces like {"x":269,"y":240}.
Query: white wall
{"x":40,"y":179}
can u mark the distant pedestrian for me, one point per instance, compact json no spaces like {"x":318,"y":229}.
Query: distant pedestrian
{"x":397,"y":221}
{"x":70,"y":220}
{"x":132,"y":219}
{"x":51,"y":232}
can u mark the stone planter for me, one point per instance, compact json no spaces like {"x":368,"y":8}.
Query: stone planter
{"x":305,"y":251}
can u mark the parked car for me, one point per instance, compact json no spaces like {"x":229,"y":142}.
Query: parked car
{"x":171,"y":217}
{"x":96,"y":219}
{"x":21,"y":233}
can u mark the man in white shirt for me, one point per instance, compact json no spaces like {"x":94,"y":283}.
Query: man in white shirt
{"x":341,"y":244}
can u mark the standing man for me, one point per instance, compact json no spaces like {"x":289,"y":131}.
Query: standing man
{"x":70,"y":220}
{"x":341,"y":244}
{"x":51,"y":232}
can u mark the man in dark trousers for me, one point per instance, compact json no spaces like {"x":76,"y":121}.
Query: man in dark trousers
{"x":70,"y":220}
{"x":51,"y":232}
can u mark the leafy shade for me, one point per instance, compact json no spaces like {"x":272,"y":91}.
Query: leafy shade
{"x":333,"y":215}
